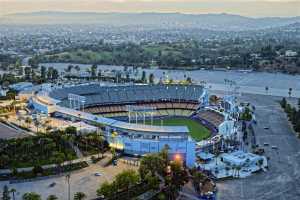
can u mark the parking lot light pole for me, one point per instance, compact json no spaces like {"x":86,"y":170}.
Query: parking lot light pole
{"x":68,"y":176}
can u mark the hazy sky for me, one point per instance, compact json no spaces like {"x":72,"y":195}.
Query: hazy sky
{"x":254,"y":8}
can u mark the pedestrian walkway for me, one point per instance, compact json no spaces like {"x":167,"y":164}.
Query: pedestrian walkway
{"x":76,"y":149}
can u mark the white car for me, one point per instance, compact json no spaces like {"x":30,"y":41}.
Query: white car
{"x":98,"y":174}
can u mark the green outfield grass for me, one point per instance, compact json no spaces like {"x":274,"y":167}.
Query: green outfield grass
{"x":197,"y":131}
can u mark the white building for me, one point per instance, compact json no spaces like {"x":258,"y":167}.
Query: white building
{"x":290,"y":53}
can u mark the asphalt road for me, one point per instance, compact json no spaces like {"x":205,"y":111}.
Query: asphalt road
{"x":282,"y":181}
{"x":7,"y":132}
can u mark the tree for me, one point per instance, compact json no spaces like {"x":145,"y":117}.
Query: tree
{"x":297,"y":125}
{"x":71,"y":130}
{"x":99,"y":140}
{"x":260,"y":162}
{"x":267,"y":89}
{"x":107,"y":190}
{"x":94,"y":70}
{"x":28,"y":121}
{"x":144,"y":79}
{"x":37,"y":170}
{"x":99,"y":74}
{"x":126,"y":179}
{"x":123,"y":182}
{"x":77,"y":68}
{"x":27,"y":71}
{"x":43,"y":73}
{"x":13,"y":191}
{"x":79,"y":196}
{"x":69,"y":68}
{"x":5,"y":193}
{"x":153,"y":163}
{"x":31,"y":196}
{"x":152,"y":181}
{"x":176,"y":180}
{"x":49,"y":73}
{"x":246,"y":115}
{"x":52,"y":197}
{"x":11,"y":94}
{"x":151,"y":78}
{"x":238,"y":168}
{"x":52,"y":74}
{"x":283,"y":103}
{"x":197,"y":177}
{"x":290,"y":92}
{"x":189,"y":80}
{"x":165,"y":154}
{"x":55,"y":74}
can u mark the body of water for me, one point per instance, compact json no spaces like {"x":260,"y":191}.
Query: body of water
{"x":250,"y":82}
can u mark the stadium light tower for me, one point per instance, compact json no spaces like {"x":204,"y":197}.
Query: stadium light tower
{"x":76,"y":101}
{"x":82,"y":103}
{"x":143,"y":110}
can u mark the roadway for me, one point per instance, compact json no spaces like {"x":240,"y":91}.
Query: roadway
{"x":7,"y":132}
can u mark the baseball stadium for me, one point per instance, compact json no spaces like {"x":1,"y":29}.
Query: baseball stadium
{"x":141,"y":119}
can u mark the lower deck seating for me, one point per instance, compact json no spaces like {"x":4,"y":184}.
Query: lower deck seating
{"x":161,"y":109}
{"x":211,"y":116}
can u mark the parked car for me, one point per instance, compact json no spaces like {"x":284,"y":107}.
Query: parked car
{"x":98,"y":174}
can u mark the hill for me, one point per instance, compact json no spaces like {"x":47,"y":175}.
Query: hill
{"x":223,"y":21}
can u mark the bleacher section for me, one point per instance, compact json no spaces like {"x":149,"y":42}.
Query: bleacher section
{"x":111,"y":101}
{"x":209,"y":118}
{"x":161,"y":109}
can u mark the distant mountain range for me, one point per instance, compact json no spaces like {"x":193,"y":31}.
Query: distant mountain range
{"x":163,"y":20}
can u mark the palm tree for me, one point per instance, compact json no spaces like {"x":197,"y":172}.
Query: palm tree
{"x":267,"y":89}
{"x":5,"y":193}
{"x":52,"y":197}
{"x":217,"y":153}
{"x":290,"y":92}
{"x":260,"y":162}
{"x":99,"y":141}
{"x":28,"y":121}
{"x":233,"y":170}
{"x":77,"y":68}
{"x":37,"y":124}
{"x":13,"y":191}
{"x":238,"y":168}
{"x":79,"y":196}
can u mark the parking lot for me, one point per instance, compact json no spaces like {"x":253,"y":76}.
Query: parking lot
{"x":84,"y":180}
{"x":282,"y":179}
